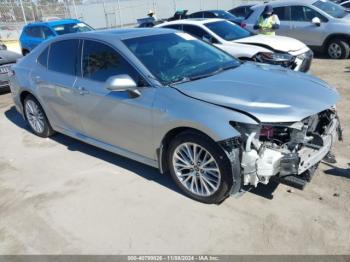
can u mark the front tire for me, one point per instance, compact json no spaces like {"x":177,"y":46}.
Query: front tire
{"x":36,"y":117}
{"x":200,"y":168}
{"x":338,"y":49}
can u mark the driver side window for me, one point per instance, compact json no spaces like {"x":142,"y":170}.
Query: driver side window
{"x":100,"y":61}
{"x":198,"y":32}
{"x":305,"y":14}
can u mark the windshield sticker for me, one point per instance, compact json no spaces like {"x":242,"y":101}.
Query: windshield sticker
{"x":186,"y":36}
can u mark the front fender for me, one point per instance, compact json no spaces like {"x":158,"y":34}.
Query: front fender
{"x":242,"y":50}
{"x":173,"y":109}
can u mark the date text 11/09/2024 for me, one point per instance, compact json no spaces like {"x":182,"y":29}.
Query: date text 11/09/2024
{"x":173,"y":258}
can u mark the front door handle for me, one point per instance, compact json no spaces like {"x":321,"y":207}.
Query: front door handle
{"x":82,"y":90}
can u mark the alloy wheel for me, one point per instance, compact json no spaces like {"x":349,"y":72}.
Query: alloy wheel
{"x":334,"y":50}
{"x":196,"y":169}
{"x":35,"y":116}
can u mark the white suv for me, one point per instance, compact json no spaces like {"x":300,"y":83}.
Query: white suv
{"x":243,"y":44}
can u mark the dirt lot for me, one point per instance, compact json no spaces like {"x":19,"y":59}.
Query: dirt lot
{"x":62,"y":196}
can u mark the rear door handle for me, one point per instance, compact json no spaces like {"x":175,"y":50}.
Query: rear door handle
{"x":82,"y":90}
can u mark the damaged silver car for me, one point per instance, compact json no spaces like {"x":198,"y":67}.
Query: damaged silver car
{"x":174,"y":102}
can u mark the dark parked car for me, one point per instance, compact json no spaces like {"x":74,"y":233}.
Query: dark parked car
{"x":241,"y":11}
{"x":216,"y":14}
{"x":7,"y":58}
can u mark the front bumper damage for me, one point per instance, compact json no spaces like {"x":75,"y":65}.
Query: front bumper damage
{"x":294,"y":152}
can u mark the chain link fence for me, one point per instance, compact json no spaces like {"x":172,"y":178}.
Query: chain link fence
{"x":14,"y":14}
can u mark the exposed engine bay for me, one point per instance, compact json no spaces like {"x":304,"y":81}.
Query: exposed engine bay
{"x":285,"y":149}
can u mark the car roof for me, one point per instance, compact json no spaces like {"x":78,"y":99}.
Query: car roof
{"x":54,"y":22}
{"x":278,"y":2}
{"x":117,"y":34}
{"x":193,"y":21}
{"x":241,"y":6}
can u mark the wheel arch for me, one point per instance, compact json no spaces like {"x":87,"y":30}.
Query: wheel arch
{"x":168,"y":137}
{"x":340,"y":36}
{"x":23,"y":96}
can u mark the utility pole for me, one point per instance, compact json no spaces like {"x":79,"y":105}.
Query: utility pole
{"x":75,"y":9}
{"x":24,"y":15}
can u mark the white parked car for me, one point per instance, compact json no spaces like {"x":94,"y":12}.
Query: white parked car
{"x":245,"y":45}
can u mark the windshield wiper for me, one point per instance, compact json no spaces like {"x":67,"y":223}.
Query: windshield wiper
{"x":180,"y":81}
{"x":219,"y":70}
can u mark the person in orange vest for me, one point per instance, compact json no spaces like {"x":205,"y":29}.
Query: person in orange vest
{"x":268,"y":22}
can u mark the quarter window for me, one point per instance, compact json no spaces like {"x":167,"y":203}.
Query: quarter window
{"x":63,"y":56}
{"x":42,"y":59}
{"x":101,"y":61}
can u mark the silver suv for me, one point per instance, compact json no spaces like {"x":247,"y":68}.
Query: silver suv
{"x":322,"y":25}
{"x":171,"y":101}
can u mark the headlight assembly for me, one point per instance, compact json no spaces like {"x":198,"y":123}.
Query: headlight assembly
{"x":274,"y":58}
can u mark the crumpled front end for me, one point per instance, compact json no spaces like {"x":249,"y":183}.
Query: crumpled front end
{"x":286,"y":149}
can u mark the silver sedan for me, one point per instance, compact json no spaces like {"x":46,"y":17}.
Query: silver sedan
{"x":173,"y":102}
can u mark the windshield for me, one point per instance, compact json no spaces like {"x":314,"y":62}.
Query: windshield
{"x":71,"y":28}
{"x":224,"y":14}
{"x":177,"y":57}
{"x":331,"y":8}
{"x":227,"y":30}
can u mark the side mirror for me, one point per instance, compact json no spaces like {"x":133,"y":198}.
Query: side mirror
{"x":207,"y":38}
{"x":120,"y":83}
{"x":316,"y":21}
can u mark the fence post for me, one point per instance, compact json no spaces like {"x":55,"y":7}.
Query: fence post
{"x":75,"y":10}
{"x":24,"y":14}
{"x":120,"y":15}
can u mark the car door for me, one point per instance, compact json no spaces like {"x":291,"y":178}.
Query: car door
{"x":283,"y":13}
{"x":54,"y":77}
{"x":302,"y":27}
{"x":114,"y":117}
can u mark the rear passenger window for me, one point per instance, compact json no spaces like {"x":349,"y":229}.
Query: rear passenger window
{"x":209,"y":15}
{"x":197,"y":15}
{"x":34,"y":31}
{"x":101,"y":61}
{"x":177,"y":27}
{"x":42,"y":59}
{"x":63,"y":56}
{"x":282,"y":13}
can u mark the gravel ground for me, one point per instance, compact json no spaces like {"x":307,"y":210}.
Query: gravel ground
{"x":60,"y":196}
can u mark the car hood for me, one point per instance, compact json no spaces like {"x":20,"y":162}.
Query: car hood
{"x":280,"y":43}
{"x":269,"y":93}
{"x":7,"y":57}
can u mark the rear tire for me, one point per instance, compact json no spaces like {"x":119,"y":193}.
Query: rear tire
{"x":338,"y":49}
{"x":36,"y":117}
{"x":25,"y":52}
{"x":208,"y":183}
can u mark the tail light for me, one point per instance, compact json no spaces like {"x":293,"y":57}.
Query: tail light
{"x":243,"y":25}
